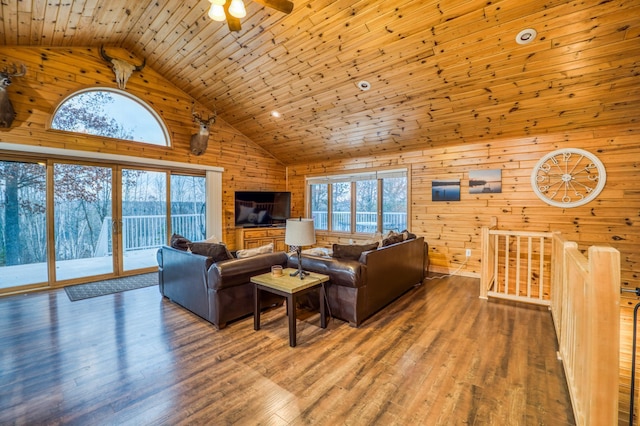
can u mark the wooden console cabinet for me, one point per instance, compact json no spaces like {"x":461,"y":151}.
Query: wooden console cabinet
{"x":255,"y":237}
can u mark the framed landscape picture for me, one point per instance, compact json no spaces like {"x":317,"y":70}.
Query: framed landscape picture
{"x":485,"y":181}
{"x":445,"y":190}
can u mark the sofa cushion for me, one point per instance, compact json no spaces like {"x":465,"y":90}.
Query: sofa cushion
{"x":268,"y":248}
{"x":351,"y":251}
{"x":392,"y":239}
{"x":216,"y":252}
{"x":179,"y":242}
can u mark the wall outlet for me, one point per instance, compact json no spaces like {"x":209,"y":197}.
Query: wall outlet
{"x":468,"y":253}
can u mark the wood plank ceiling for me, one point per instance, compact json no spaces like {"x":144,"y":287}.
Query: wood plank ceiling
{"x":441,"y":72}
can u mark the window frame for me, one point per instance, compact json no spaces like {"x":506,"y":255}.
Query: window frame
{"x":153,"y":113}
{"x":375,"y":174}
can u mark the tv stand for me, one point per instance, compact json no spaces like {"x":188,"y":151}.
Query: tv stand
{"x":259,"y":236}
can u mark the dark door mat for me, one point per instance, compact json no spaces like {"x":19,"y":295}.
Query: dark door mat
{"x":116,"y":285}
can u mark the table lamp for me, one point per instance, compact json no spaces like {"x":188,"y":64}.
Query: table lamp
{"x":300,"y":232}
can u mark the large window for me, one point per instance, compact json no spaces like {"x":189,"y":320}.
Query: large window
{"x":82,"y":217}
{"x":319,"y":196}
{"x":110,"y":113}
{"x":360,"y":203}
{"x":106,"y":220}
{"x":341,"y":206}
{"x":188,"y":203}
{"x":23,"y":232}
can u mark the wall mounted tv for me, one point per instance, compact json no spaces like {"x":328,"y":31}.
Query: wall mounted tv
{"x":262,"y":208}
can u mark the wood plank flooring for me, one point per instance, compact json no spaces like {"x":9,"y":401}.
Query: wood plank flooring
{"x":436,"y":356}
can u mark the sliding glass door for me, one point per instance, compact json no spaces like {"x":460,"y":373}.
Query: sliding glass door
{"x":143,"y":217}
{"x":69,"y":222}
{"x":23,"y":232}
{"x":83,"y":223}
{"x":188,"y":196}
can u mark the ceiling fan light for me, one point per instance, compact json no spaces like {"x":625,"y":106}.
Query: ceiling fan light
{"x":236,"y":9}
{"x":218,"y":2}
{"x":217,"y":13}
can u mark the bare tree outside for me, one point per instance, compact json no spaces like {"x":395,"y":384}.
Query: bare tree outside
{"x":109,"y":113}
{"x":341,"y":206}
{"x":188,"y":202}
{"x":85,"y":113}
{"x":22,"y":213}
{"x":320,"y":205}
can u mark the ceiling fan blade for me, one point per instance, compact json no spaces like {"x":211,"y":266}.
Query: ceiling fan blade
{"x":232,"y":22}
{"x":284,"y":6}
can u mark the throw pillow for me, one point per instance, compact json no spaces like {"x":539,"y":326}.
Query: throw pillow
{"x":240,"y":254}
{"x":318,"y":251}
{"x":406,"y":235}
{"x":216,"y":252}
{"x":351,"y":251}
{"x":392,"y":239}
{"x":376,"y":238}
{"x":212,"y":239}
{"x":179,"y":242}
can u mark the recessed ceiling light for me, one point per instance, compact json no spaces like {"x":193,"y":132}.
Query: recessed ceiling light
{"x":275,"y":114}
{"x":363,"y":85}
{"x":526,"y":36}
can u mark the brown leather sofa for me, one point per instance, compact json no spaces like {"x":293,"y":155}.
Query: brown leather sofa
{"x":359,"y":288}
{"x":218,"y":292}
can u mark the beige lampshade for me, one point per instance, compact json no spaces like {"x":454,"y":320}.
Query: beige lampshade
{"x":300,"y":232}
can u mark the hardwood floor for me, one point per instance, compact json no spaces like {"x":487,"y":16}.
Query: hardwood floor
{"x":436,"y":356}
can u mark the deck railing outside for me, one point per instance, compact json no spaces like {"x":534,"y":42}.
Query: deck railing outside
{"x":149,"y":231}
{"x":366,"y":222}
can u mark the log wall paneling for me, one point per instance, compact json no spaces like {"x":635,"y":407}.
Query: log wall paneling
{"x":450,"y":228}
{"x":441,"y":73}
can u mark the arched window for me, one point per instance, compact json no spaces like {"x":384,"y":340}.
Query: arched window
{"x":110,"y":113}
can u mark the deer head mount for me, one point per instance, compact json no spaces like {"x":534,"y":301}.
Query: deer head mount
{"x":7,"y":113}
{"x":200,"y":140}
{"x":122,"y":69}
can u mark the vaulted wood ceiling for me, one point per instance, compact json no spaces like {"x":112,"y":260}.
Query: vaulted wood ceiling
{"x":441,"y":72}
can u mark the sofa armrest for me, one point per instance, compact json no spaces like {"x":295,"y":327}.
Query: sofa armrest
{"x":179,"y":266}
{"x":344,"y":272}
{"x":234,"y":272}
{"x":184,"y":279}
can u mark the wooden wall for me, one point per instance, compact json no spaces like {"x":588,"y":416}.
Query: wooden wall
{"x":54,"y":73}
{"x":613,"y":219}
{"x":449,"y":227}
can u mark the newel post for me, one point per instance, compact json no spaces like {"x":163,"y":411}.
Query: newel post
{"x":604,"y":347}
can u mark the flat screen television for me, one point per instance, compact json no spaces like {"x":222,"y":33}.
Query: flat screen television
{"x":262,"y":208}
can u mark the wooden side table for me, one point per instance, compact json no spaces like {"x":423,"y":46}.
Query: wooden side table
{"x":289,"y":287}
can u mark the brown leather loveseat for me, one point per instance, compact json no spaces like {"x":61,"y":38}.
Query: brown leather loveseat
{"x":219,"y":292}
{"x":359,"y":288}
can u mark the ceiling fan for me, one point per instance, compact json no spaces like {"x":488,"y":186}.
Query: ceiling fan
{"x":233,"y":10}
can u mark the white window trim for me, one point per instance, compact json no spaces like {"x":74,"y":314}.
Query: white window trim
{"x":404,"y":172}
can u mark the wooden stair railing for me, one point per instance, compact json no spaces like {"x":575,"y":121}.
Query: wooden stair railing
{"x":584,"y":299}
{"x":586,"y":314}
{"x":515,"y":265}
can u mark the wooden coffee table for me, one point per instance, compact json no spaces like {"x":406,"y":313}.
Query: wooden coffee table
{"x":289,"y":287}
